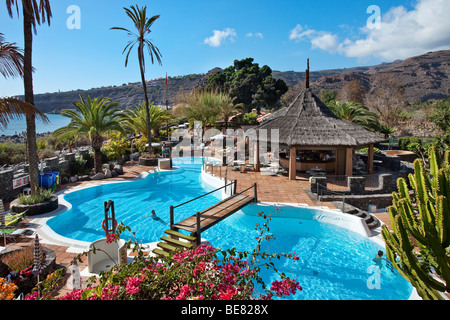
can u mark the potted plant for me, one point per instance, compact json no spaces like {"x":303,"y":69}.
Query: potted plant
{"x":147,"y":159}
{"x":42,"y":202}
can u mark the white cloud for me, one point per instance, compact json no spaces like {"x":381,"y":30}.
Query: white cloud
{"x":401,"y":33}
{"x":326,"y":41}
{"x":319,"y":39}
{"x":219,"y":36}
{"x":257,"y":34}
{"x":299,"y":33}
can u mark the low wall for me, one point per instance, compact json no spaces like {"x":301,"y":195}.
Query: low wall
{"x":362,"y":201}
{"x":356,"y":193}
{"x":12,"y":183}
{"x":355,"y":186}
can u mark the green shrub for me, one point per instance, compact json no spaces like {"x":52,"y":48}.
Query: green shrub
{"x":249,"y":118}
{"x":78,"y":166}
{"x":116,"y":147}
{"x":12,"y":153}
{"x":41,"y":196}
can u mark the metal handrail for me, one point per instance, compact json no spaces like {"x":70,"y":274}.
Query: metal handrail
{"x":198,"y":214}
{"x":179,"y":205}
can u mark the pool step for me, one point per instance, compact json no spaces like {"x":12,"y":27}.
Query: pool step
{"x":177,"y":243}
{"x":166,"y":247}
{"x":160,"y":252}
{"x":173,"y":242}
{"x":180,"y":235}
{"x":371,"y":221}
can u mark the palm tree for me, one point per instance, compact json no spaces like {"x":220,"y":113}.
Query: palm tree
{"x":199,"y":106}
{"x":226,"y":107}
{"x":356,"y":113}
{"x":143,"y":26}
{"x":11,"y":65}
{"x":136,"y":118}
{"x":34,"y":12}
{"x":386,"y":130}
{"x":93,"y":118}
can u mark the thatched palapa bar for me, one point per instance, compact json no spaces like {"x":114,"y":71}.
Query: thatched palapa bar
{"x":308,"y":124}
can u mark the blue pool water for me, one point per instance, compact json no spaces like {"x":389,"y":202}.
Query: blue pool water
{"x":334,"y":263}
{"x":133,"y":203}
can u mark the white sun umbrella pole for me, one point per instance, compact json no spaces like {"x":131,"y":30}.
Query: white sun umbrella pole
{"x":2,"y":221}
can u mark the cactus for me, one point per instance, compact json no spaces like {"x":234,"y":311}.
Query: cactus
{"x":419,"y":243}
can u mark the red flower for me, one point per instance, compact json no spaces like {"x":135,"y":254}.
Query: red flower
{"x":110,"y":238}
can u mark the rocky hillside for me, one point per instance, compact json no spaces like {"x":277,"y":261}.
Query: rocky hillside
{"x":423,"y":77}
{"x":127,"y":95}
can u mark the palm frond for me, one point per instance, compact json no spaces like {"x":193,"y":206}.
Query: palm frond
{"x":11,"y":108}
{"x":39,"y":12}
{"x":11,"y":59}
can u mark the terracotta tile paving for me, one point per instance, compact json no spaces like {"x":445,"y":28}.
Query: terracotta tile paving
{"x":277,"y":189}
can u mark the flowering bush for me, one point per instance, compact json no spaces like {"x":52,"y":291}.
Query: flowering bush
{"x":116,"y":146}
{"x":7,"y":289}
{"x":204,"y":273}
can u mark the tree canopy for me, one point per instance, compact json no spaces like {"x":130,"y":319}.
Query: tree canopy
{"x":249,"y":84}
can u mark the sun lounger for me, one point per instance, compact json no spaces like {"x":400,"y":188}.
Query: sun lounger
{"x":12,"y":233}
{"x":13,"y":218}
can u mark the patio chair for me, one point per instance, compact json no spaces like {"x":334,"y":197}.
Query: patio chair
{"x":14,"y":218}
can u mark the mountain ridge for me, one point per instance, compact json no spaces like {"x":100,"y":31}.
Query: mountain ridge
{"x":424,"y":77}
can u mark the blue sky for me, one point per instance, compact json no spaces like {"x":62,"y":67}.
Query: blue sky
{"x":197,"y":35}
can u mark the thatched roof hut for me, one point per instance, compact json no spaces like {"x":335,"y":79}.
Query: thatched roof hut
{"x":308,"y":123}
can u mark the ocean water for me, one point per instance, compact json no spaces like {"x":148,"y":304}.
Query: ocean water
{"x":16,"y":126}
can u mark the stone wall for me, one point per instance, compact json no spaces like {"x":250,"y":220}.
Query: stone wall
{"x":7,"y":190}
{"x":362,"y":201}
{"x":56,"y":164}
{"x":355,"y":185}
{"x":356,"y":193}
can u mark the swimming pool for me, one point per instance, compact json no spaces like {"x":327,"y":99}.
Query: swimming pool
{"x":133,"y":203}
{"x":334,"y":263}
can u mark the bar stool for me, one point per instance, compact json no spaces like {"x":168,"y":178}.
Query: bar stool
{"x":27,"y":191}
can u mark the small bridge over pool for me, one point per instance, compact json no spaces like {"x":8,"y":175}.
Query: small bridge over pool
{"x":203,"y":220}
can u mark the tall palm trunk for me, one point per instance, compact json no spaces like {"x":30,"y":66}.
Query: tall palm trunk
{"x":96,"y":143}
{"x":144,"y":85}
{"x":29,"y":97}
